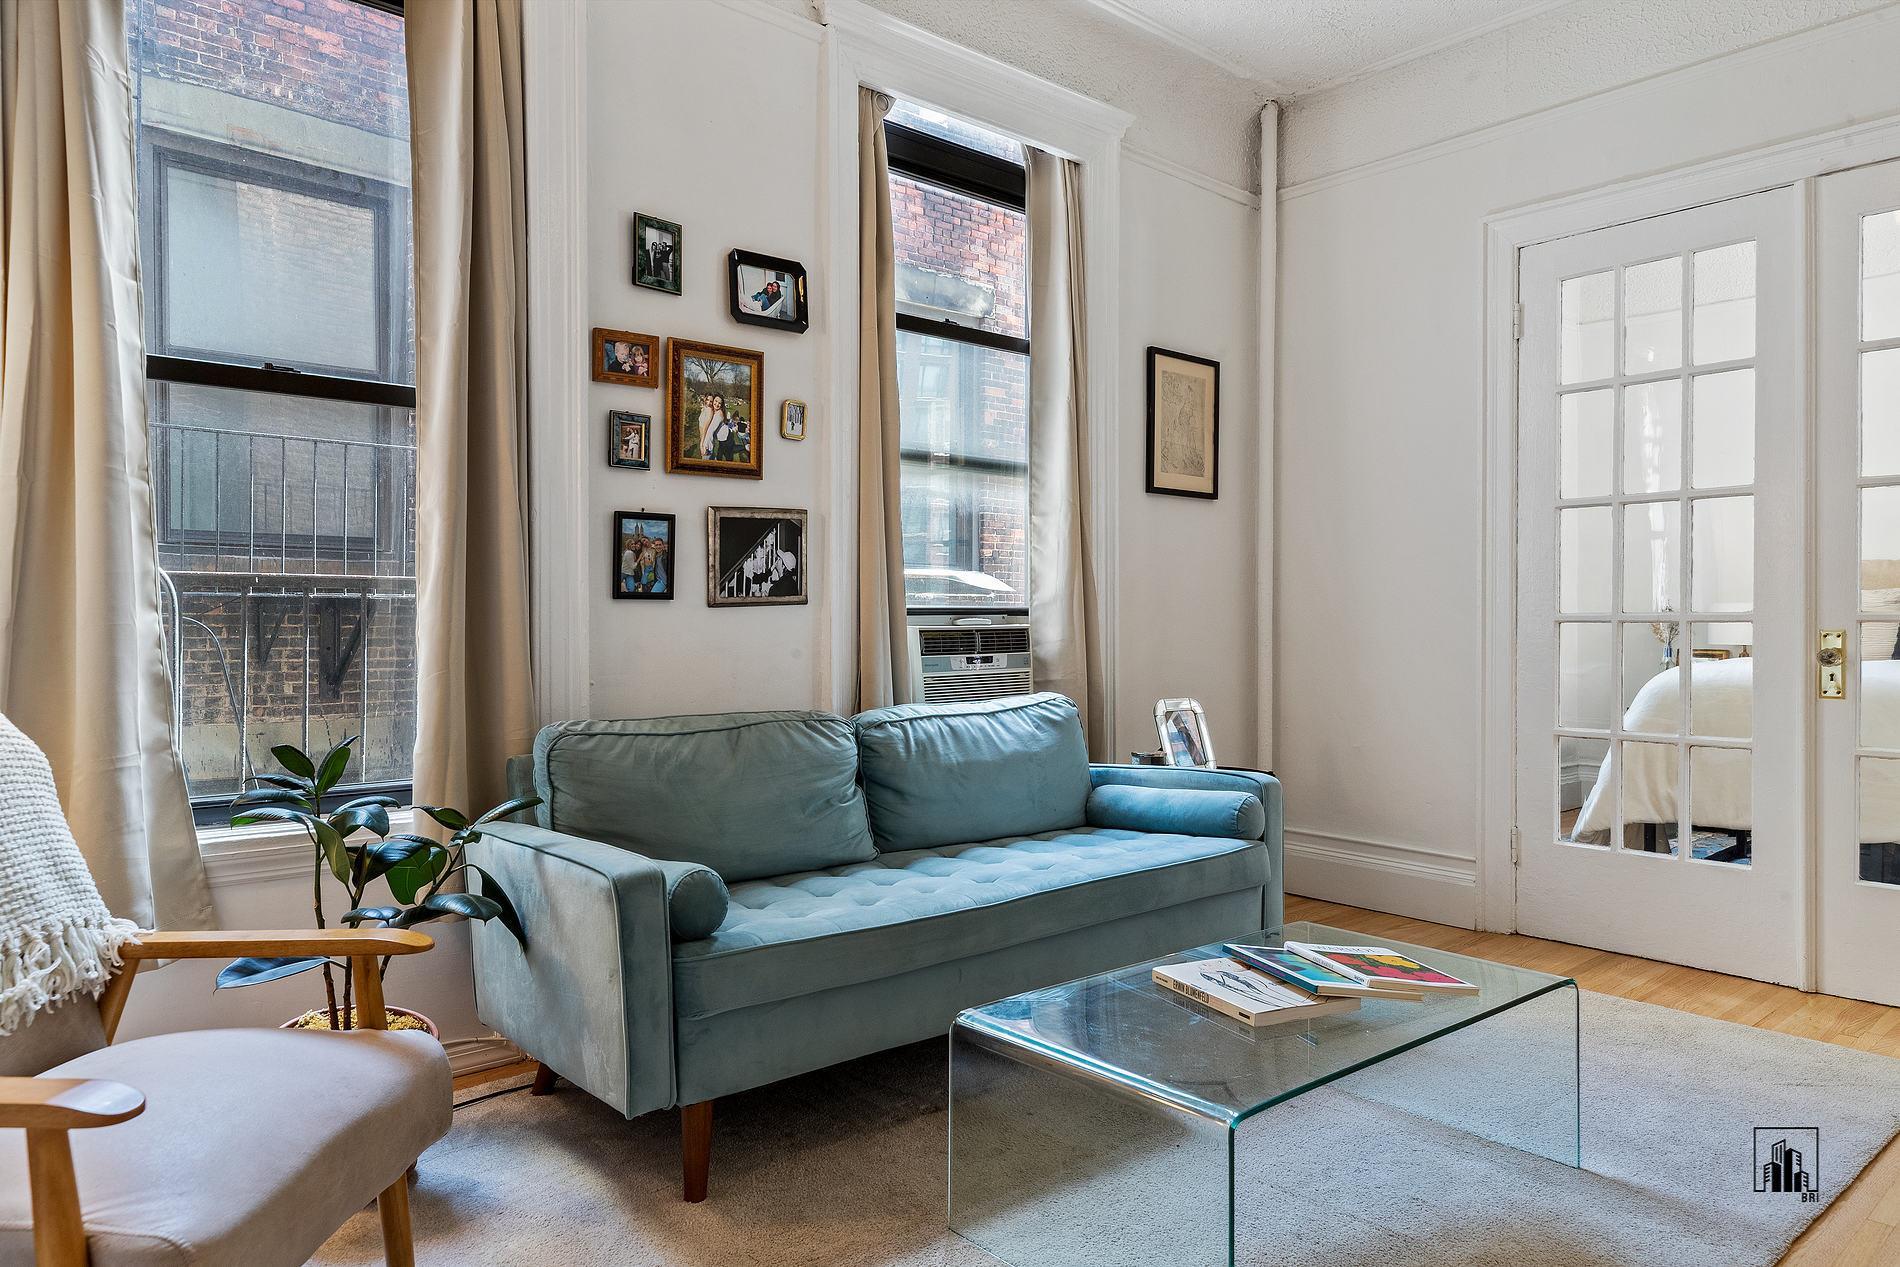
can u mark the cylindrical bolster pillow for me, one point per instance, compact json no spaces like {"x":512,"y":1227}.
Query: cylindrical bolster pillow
{"x":696,"y":899}
{"x":1238,"y":815}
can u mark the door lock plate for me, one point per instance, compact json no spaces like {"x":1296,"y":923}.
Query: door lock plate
{"x":1831,"y":678}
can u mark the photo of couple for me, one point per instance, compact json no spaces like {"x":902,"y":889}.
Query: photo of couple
{"x":767,"y":291}
{"x":722,"y":436}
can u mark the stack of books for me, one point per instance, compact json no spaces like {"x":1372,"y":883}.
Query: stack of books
{"x":1264,"y":985}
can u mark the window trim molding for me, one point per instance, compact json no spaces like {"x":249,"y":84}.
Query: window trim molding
{"x":863,"y":46}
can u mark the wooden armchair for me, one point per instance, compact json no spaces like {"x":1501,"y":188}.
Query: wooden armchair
{"x":258,"y":1145}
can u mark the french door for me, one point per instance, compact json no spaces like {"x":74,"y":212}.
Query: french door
{"x":1662,"y":645}
{"x":1708,"y":589}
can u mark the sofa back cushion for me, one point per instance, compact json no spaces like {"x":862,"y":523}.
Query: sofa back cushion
{"x":949,"y":774}
{"x":748,"y":794}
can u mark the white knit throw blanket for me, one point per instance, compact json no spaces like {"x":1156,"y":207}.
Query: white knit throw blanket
{"x":57,"y":939}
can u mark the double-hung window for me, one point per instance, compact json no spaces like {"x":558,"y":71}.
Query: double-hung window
{"x":962,"y":251}
{"x":273,"y":167}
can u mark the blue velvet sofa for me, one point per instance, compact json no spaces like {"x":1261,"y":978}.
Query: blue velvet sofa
{"x":715,"y":903}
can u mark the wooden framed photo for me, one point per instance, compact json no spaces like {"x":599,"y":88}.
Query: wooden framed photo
{"x":1182,"y":724}
{"x":657,"y":253}
{"x":643,"y":554}
{"x":767,"y":291}
{"x":714,"y":401}
{"x":629,"y":440}
{"x":1183,"y":424}
{"x":623,"y":356}
{"x":791,"y":420}
{"x":755,"y":556}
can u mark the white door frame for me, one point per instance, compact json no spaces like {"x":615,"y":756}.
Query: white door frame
{"x":1505,"y":234}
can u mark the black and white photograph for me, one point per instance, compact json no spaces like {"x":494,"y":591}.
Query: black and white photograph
{"x":767,"y":291}
{"x":629,"y":440}
{"x":755,"y":556}
{"x":656,"y":254}
{"x":791,"y":420}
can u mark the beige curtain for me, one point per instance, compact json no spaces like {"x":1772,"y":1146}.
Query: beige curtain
{"x":82,"y":665}
{"x":474,"y":689}
{"x":883,"y":668}
{"x":1066,"y":628}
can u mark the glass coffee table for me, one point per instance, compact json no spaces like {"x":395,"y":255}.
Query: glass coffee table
{"x":1108,"y":1120}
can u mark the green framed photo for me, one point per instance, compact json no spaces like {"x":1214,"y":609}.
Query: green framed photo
{"x":658,"y":253}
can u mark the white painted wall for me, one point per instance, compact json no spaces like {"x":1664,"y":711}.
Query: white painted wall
{"x":734,"y":160}
{"x":1380,"y":410}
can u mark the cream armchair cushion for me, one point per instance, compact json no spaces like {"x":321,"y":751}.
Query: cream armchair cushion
{"x":255,"y":1144}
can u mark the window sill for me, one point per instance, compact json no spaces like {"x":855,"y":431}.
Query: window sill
{"x":276,"y":851}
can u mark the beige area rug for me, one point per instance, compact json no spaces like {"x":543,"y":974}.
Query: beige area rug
{"x":846,"y":1168}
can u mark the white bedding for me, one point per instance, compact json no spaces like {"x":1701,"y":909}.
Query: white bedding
{"x":1723,"y":695}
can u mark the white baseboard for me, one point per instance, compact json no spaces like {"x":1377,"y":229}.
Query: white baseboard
{"x":1383,"y":875}
{"x":475,"y":1055}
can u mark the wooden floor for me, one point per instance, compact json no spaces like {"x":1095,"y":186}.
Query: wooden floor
{"x":1862,"y":1227}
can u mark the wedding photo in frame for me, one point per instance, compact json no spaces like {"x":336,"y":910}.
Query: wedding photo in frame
{"x":1183,"y":424}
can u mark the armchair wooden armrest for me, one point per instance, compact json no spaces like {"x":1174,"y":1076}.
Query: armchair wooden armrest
{"x":362,"y":946}
{"x":65,"y":1104}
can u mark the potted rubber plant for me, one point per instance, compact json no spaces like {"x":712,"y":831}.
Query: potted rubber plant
{"x":428,"y":879}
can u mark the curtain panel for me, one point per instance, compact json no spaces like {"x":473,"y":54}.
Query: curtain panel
{"x":883,"y":653}
{"x":1064,"y":618}
{"x":82,"y":649}
{"x":474,"y":688}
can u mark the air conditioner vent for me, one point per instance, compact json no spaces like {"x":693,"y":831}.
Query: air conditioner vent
{"x":969,"y":662}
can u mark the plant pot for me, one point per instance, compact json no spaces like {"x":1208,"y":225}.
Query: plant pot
{"x":318,"y":1018}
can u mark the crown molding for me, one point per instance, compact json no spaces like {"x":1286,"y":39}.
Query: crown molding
{"x":1123,"y":11}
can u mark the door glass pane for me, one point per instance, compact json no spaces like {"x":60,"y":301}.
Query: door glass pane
{"x":1652,"y":688}
{"x":1651,"y":539}
{"x":1585,"y":806}
{"x":1722,"y":574}
{"x":1721,"y":679}
{"x":1879,"y":547}
{"x":1880,"y":820}
{"x":1588,"y":314}
{"x":1585,"y":443}
{"x":1880,"y":412}
{"x":1721,"y":805}
{"x":1880,"y":276}
{"x":1652,"y":437}
{"x":1724,"y":429}
{"x":1583,"y":668}
{"x":1652,"y":316}
{"x":1725,"y":304}
{"x":1648,"y":774}
{"x":1880,"y":682}
{"x":1583,"y":559}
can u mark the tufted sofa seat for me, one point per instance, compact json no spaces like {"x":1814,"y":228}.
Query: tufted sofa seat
{"x":797,"y":934}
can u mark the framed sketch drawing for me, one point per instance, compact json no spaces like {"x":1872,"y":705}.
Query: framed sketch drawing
{"x":1183,"y":424}
{"x":755,"y":556}
{"x":714,"y":399}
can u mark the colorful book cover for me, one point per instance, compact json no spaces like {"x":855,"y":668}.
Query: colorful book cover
{"x":1381,"y":967}
{"x":1302,"y":973}
{"x":1230,"y":987}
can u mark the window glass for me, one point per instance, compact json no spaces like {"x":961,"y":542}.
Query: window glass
{"x":957,"y":131}
{"x":959,"y":258}
{"x":273,"y":148}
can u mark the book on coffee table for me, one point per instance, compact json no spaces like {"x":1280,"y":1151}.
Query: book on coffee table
{"x":1381,"y":968}
{"x":1233,"y":989}
{"x":1303,"y":974}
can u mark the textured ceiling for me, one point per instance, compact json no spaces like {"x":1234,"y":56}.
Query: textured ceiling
{"x":1291,"y":47}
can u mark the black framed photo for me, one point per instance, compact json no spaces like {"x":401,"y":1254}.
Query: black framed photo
{"x":657,"y":253}
{"x":767,"y":291}
{"x":755,"y":556}
{"x":629,"y":440}
{"x":643,"y":554}
{"x":626,"y":357}
{"x":1183,"y":424}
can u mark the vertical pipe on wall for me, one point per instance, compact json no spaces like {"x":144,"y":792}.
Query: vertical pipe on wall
{"x":1268,"y":297}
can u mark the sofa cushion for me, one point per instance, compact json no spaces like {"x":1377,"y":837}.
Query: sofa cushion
{"x":1189,"y":812}
{"x":795,"y":935}
{"x":941,"y":774}
{"x":747,"y":794}
{"x":255,"y":1144}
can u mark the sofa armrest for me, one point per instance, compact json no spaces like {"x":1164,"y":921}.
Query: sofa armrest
{"x":1188,"y":778}
{"x":592,"y":995}
{"x":1178,"y":811}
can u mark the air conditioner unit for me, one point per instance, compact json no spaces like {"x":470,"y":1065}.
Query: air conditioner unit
{"x":968,"y":659}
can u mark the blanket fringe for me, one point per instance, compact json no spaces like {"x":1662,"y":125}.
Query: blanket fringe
{"x":47,"y":963}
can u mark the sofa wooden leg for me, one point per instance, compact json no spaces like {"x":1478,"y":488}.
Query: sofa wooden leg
{"x":399,"y":1248}
{"x":696,"y":1147}
{"x":544,"y":1080}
